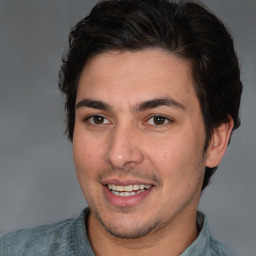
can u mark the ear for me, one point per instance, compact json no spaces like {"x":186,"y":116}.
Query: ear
{"x":219,"y":142}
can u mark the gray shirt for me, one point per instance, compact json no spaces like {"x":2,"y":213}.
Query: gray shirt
{"x":69,"y":237}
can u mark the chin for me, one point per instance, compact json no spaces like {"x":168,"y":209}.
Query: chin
{"x":130,"y":229}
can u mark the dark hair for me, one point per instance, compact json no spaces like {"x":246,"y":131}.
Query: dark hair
{"x":185,"y":29}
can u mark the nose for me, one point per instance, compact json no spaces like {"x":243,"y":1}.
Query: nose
{"x":124,"y":148}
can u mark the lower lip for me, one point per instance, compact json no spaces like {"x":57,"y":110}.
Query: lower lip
{"x":125,"y":201}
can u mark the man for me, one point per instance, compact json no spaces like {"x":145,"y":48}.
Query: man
{"x":152,"y":96}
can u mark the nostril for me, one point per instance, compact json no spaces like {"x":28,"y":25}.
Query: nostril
{"x":123,"y":148}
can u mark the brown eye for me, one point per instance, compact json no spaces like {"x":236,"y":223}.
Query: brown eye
{"x":158,"y":120}
{"x":97,"y":120}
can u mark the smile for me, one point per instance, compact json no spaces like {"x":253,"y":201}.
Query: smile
{"x":129,"y":190}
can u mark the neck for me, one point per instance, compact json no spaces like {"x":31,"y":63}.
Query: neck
{"x":171,"y":240}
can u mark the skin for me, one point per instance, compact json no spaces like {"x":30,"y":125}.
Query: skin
{"x":118,"y":139}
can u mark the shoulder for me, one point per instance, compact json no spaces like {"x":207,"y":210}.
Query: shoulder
{"x":205,"y":244}
{"x":36,"y":241}
{"x":219,"y":249}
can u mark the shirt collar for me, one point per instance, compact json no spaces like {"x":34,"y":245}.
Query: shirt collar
{"x":201,"y":246}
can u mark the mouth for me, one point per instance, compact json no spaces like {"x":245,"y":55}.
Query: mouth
{"x":128,"y":190}
{"x":126,"y":193}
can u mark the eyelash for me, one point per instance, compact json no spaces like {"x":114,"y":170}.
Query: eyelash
{"x":87,"y":120}
{"x":161,"y":117}
{"x":166,"y":120}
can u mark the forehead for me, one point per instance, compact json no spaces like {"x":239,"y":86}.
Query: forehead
{"x":141,"y":74}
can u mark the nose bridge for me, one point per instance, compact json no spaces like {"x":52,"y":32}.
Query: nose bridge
{"x":124,"y":148}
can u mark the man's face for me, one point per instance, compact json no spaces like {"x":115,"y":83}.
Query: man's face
{"x":138,"y":141}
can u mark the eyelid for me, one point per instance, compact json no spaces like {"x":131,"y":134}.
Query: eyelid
{"x":87,"y":120}
{"x":168,"y":119}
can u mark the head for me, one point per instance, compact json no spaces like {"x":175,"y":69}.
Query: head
{"x":177,"y":51}
{"x":185,"y":31}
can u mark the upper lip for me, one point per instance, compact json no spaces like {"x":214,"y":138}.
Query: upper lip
{"x":127,"y":182}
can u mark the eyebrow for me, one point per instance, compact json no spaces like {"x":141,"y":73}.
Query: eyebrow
{"x":154,"y":103}
{"x":97,"y":104}
{"x":143,"y":106}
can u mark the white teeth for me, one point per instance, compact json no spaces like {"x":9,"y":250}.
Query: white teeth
{"x":115,"y":192}
{"x":136,"y":187}
{"x":128,"y":188}
{"x":118,"y":188}
{"x":126,"y":193}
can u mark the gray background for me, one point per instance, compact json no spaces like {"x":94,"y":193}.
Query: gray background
{"x":37,"y":177}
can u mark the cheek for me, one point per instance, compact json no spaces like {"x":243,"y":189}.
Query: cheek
{"x":86,"y":154}
{"x":176,"y":155}
{"x":167,"y":150}
{"x":86,"y":164}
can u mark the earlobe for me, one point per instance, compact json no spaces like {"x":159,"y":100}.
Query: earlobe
{"x":219,"y":142}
